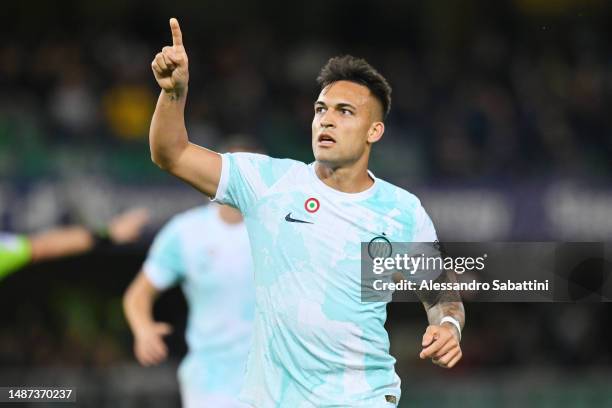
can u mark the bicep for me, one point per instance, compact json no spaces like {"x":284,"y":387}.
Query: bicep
{"x":199,"y":167}
{"x":59,"y":242}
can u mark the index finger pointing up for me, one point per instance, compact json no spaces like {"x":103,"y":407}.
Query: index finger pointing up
{"x":177,"y":36}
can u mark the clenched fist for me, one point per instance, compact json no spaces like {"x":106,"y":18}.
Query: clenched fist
{"x":170,"y":66}
{"x":441,"y":344}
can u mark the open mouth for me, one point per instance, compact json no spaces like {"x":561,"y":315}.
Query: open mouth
{"x":326,"y":140}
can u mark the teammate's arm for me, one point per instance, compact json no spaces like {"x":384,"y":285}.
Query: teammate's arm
{"x":170,"y":146}
{"x":441,"y":341}
{"x":149,"y":346}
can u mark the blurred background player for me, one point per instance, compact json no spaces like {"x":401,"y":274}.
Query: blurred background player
{"x":19,"y":250}
{"x":206,"y":250}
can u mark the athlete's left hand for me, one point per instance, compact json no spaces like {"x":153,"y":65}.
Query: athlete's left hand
{"x":441,"y":344}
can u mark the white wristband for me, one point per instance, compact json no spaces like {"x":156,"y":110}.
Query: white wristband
{"x":454,"y":322}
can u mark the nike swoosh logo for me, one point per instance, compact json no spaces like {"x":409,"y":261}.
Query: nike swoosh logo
{"x":289,"y":219}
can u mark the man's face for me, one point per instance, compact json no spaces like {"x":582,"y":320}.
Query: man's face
{"x":345,"y":118}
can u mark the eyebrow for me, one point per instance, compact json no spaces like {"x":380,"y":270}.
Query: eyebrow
{"x":338,"y":105}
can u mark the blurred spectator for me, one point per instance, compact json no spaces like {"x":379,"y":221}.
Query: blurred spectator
{"x":525,"y":93}
{"x":73,"y":104}
{"x":128,"y":109}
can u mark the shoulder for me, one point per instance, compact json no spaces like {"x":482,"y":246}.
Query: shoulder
{"x":405,"y":207}
{"x":261,"y":167}
{"x":190,"y":219}
{"x":262,"y":160}
{"x":398,"y":196}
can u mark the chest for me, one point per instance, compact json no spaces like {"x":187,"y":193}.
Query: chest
{"x":322,"y":227}
{"x":218,"y":255}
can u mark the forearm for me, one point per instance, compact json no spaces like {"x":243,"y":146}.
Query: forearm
{"x":60,"y":242}
{"x":439,"y":304}
{"x":138,"y":308}
{"x":436,"y":312}
{"x":168,"y":134}
{"x":139,"y":314}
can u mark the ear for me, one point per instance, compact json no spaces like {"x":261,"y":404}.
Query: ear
{"x":376,"y":131}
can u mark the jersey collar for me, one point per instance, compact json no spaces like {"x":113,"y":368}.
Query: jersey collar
{"x":325,"y":189}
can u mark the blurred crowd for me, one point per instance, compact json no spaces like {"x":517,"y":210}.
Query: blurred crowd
{"x":486,"y":94}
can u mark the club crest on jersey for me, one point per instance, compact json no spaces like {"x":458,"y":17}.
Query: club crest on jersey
{"x":380,"y":247}
{"x":312,"y":205}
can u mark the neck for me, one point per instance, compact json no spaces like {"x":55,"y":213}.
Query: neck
{"x":229,"y":215}
{"x":348,"y":179}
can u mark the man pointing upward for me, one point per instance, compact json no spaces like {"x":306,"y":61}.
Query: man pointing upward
{"x":170,"y":65}
{"x":315,"y":343}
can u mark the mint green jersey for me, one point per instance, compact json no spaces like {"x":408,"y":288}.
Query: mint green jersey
{"x":316,"y":344}
{"x":211,"y":260}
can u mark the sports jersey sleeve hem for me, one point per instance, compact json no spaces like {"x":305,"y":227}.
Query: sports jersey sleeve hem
{"x":155,"y":275}
{"x":223,"y":181}
{"x":426,"y":231}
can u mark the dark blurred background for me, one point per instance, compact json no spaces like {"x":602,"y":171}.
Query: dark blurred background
{"x":500,"y":123}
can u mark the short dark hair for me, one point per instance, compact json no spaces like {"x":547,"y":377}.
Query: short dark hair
{"x":349,"y":68}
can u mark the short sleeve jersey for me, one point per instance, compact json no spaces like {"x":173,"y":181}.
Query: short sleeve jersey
{"x":316,"y":343}
{"x":211,"y":260}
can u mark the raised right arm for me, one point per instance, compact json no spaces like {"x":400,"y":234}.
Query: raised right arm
{"x":170,"y":146}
